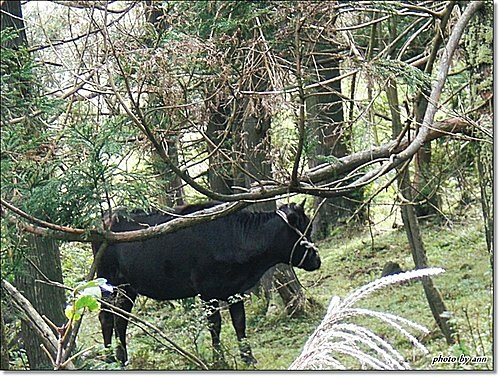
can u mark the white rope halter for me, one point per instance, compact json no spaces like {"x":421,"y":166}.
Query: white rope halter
{"x":303,"y":241}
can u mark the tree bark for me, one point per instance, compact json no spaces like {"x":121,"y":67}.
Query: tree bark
{"x":257,"y":145}
{"x":34,"y":320}
{"x":4,"y":349}
{"x":220,"y":170}
{"x":479,"y":56}
{"x":434,"y":298}
{"x":424,"y":183}
{"x":484,"y":163}
{"x":47,"y":300}
{"x":11,"y":17}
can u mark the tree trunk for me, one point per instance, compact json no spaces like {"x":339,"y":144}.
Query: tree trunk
{"x":424,"y":183}
{"x":484,"y":163}
{"x":291,"y":292}
{"x":479,"y":56}
{"x":12,"y":17}
{"x":256,"y":147}
{"x":434,"y":298}
{"x":326,"y":121}
{"x":412,"y":228}
{"x":172,"y":183}
{"x":4,"y":349}
{"x":40,"y":252}
{"x":220,"y":170}
{"x":47,"y":300}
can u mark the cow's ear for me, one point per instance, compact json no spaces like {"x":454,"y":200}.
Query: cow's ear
{"x":301,"y":205}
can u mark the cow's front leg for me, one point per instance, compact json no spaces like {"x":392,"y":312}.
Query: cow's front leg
{"x":125,"y":301}
{"x":214,"y":323}
{"x":237,"y":311}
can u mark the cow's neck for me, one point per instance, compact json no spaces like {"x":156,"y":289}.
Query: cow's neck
{"x":267,"y":236}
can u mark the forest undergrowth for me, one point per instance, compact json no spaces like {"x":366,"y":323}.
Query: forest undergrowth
{"x":350,"y":259}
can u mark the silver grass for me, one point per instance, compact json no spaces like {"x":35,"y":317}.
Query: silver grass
{"x":336,"y":337}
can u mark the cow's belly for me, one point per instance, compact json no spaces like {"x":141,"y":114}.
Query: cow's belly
{"x":225,"y":280}
{"x":157,"y":275}
{"x":166,"y":290}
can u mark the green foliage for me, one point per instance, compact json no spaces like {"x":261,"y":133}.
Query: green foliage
{"x":25,"y":143}
{"x":223,"y":18}
{"x":414,"y":78}
{"x":84,"y":297}
{"x":16,"y":78}
{"x":71,"y":187}
{"x":11,"y":257}
{"x":19,"y":87}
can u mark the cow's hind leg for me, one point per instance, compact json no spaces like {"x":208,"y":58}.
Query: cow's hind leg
{"x":237,"y":311}
{"x":125,"y":301}
{"x":214,"y":323}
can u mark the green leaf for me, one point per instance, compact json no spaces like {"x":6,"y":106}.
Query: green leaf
{"x":69,"y":311}
{"x":91,"y":288}
{"x":71,"y":314}
{"x":88,"y":302}
{"x":84,"y":284}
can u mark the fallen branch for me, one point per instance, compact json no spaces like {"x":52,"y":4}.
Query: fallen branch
{"x":35,"y":321}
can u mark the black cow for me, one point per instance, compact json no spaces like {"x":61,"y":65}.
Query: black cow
{"x":215,"y":259}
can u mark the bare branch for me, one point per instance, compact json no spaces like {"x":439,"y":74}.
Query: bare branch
{"x":70,"y":234}
{"x":437,"y":88}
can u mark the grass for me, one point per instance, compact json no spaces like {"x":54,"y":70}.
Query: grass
{"x":348,"y":262}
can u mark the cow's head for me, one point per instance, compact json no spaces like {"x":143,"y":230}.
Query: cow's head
{"x":304,"y":253}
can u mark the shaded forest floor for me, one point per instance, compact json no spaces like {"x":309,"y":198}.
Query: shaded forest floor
{"x":348,"y":262}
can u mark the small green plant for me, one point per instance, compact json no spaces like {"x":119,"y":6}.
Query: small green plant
{"x":85,"y":296}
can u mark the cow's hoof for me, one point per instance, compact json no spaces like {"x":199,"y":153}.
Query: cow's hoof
{"x":248,"y":359}
{"x":246,"y":354}
{"x":108,"y":359}
{"x":109,"y":355}
{"x":121,"y":355}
